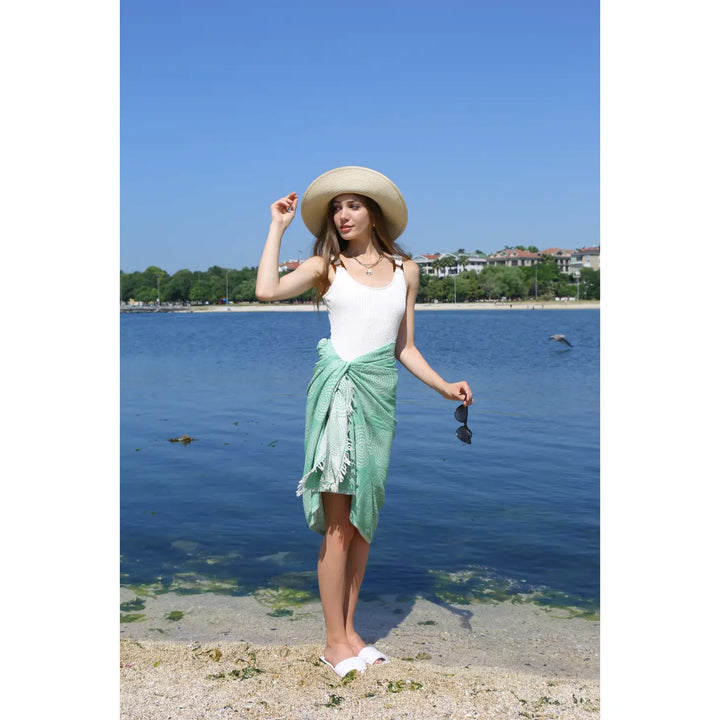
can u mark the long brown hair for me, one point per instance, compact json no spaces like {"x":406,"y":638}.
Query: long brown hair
{"x":329,"y":243}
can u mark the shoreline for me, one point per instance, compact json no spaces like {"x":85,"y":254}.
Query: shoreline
{"x":209,"y":653}
{"x":309,"y":307}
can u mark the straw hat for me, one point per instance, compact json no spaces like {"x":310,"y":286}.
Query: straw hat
{"x":354,"y":179}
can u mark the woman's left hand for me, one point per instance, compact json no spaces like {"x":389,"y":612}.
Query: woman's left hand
{"x":459,"y":391}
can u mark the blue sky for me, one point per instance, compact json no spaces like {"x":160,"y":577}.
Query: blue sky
{"x":485,"y":114}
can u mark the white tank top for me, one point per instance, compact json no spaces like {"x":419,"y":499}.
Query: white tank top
{"x":364,"y":318}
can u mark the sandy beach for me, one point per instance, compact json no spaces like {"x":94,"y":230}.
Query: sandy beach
{"x":216,"y":656}
{"x":309,"y":307}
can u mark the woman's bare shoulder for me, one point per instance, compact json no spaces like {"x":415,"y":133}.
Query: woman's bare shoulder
{"x":315,"y":263}
{"x":412,"y":269}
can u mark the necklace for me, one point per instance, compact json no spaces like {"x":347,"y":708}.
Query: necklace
{"x":368,"y":267}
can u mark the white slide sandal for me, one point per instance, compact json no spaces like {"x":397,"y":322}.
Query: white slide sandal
{"x":370,"y":655}
{"x":346,"y":666}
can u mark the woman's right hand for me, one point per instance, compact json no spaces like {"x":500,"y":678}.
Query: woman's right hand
{"x":283,"y":210}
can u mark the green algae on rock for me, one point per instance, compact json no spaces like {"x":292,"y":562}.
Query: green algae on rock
{"x":132,"y":617}
{"x":482,"y":585}
{"x":130,"y":605}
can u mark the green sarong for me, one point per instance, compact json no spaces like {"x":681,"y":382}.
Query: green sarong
{"x":349,"y":428}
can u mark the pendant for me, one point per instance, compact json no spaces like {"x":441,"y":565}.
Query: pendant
{"x":368,"y":271}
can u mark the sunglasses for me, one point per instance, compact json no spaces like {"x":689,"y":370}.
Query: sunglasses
{"x":464,"y":433}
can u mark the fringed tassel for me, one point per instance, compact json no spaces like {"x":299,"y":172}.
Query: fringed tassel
{"x":347,"y":454}
{"x":303,"y":480}
{"x":347,"y":461}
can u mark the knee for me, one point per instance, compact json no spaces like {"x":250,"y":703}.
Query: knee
{"x":340,"y":533}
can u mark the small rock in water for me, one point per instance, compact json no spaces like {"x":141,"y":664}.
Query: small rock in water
{"x":184,"y":439}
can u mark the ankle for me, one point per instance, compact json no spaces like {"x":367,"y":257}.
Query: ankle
{"x":336,"y":640}
{"x":356,"y":641}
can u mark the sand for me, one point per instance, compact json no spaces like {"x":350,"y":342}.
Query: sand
{"x":237,"y":657}
{"x":309,"y":307}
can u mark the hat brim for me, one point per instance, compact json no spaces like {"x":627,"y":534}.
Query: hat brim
{"x":359,"y":180}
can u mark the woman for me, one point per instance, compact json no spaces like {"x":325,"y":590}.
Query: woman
{"x":369,"y":286}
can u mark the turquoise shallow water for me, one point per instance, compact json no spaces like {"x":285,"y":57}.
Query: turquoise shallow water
{"x":515,"y":512}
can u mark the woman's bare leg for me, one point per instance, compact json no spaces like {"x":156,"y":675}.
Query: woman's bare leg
{"x":332,"y":574}
{"x":355,"y":571}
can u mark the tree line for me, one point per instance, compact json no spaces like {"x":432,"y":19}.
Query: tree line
{"x":543,"y":281}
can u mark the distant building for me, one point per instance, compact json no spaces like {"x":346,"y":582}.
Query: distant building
{"x":561,"y":257}
{"x":568,"y":261}
{"x":446,"y":264}
{"x":588,"y":257}
{"x":289,"y":265}
{"x":426,"y":263}
{"x":512,"y":257}
{"x":476,"y":263}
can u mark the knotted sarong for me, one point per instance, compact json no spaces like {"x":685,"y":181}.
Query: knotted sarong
{"x":349,"y":428}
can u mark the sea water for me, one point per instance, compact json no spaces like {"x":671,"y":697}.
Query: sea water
{"x":515,"y":512}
